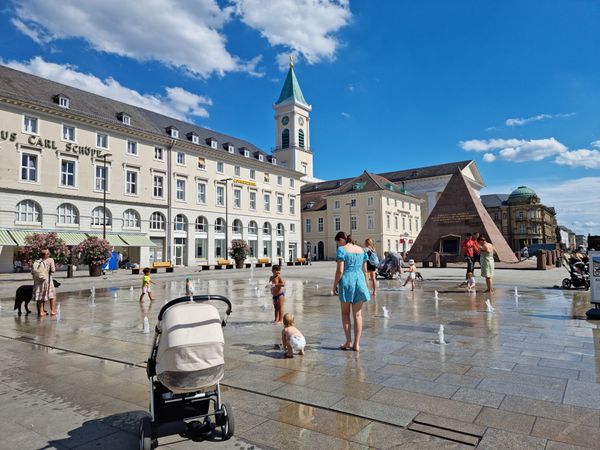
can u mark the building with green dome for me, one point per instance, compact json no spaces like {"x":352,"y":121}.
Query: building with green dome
{"x":521,"y":217}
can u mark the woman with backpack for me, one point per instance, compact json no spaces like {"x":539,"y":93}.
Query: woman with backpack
{"x":372,"y":264}
{"x":43,"y":288}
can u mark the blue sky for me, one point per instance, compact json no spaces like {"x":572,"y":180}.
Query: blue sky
{"x":394,"y":84}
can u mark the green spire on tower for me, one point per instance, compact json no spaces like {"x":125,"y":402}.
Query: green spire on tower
{"x":291,"y":88}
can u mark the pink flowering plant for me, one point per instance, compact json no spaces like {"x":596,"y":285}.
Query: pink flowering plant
{"x":94,"y":251}
{"x":36,"y":242}
{"x":239,"y":249}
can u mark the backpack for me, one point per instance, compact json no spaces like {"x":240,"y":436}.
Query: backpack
{"x":373,"y":259}
{"x":40,"y":271}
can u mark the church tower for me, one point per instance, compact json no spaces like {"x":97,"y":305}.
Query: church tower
{"x":292,"y":127}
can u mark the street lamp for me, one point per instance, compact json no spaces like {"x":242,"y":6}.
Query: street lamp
{"x":104,"y":183}
{"x":226,"y":181}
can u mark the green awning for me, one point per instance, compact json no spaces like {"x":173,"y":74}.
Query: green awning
{"x":137,"y":240}
{"x":113,"y":238}
{"x":5,"y":238}
{"x":19,"y":235}
{"x":71,"y":237}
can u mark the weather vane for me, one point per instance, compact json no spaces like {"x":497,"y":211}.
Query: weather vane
{"x":291,"y":60}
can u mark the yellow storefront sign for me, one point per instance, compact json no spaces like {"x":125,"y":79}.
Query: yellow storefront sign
{"x":240,"y":181}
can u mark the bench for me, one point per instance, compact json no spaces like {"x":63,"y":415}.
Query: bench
{"x":223,"y":264}
{"x":263,"y":262}
{"x":298,"y":262}
{"x":160,"y":265}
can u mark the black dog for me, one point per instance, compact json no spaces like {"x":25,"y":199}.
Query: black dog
{"x":24,"y":294}
{"x":419,"y":277}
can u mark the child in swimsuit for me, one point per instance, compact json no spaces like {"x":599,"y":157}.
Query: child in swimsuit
{"x":278,"y":293}
{"x":412,"y":274}
{"x":146,"y":282}
{"x":291,"y":338}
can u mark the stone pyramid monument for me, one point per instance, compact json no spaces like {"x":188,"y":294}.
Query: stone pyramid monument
{"x":457,"y":212}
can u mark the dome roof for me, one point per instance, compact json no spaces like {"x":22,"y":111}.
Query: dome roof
{"x":521,"y":193}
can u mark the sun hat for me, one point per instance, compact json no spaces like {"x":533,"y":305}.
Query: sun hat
{"x":411,"y":261}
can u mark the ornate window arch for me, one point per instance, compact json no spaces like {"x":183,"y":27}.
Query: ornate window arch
{"x":180,"y":223}
{"x":131,"y":219}
{"x":201,"y":224}
{"x":157,"y":221}
{"x":285,"y":138}
{"x":28,"y":211}
{"x":98,"y":216}
{"x":67,"y":214}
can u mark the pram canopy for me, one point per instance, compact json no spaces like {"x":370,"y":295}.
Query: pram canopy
{"x":189,"y":356}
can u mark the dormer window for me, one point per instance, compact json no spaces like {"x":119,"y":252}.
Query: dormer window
{"x":173,"y":132}
{"x":274,"y":161}
{"x":261,"y":158}
{"x":62,"y":101}
{"x":246,"y":153}
{"x":230,"y":148}
{"x":212,"y":142}
{"x":125,"y":119}
{"x":193,"y":137}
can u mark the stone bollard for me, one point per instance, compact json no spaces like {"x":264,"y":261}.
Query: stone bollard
{"x":548,"y":258}
{"x":541,"y":260}
{"x":436,"y":259}
{"x":558,"y":258}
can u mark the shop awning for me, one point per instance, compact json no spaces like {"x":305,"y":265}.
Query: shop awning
{"x":19,"y":235}
{"x":5,"y":238}
{"x":112,"y":238}
{"x":72,"y":238}
{"x":137,"y":240}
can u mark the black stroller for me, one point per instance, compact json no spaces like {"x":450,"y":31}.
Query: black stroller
{"x":184,"y":369}
{"x":391,"y":266}
{"x":579,"y":275}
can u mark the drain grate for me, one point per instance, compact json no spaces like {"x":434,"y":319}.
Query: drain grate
{"x":442,"y":432}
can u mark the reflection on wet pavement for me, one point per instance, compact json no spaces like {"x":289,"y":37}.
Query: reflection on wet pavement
{"x":517,"y":374}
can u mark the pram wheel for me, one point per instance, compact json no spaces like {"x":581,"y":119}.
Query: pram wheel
{"x":146,"y":441}
{"x":224,"y":419}
{"x":566,"y":283}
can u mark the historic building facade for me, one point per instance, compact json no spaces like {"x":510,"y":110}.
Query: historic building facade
{"x":522,"y":218}
{"x":160,"y":188}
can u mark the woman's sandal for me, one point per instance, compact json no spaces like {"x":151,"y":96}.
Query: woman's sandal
{"x":345,"y":347}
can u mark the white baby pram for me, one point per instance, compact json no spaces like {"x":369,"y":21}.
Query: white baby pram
{"x":184,"y":369}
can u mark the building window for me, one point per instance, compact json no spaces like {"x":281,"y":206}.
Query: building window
{"x":252,"y":174}
{"x":409,"y":224}
{"x":389,"y":245}
{"x":370,"y":222}
{"x":131,"y":182}
{"x":353,"y":224}
{"x":292,"y":206}
{"x":304,"y":168}
{"x":201,"y":192}
{"x":201,"y":164}
{"x":337,"y":224}
{"x":125,"y":119}
{"x":201,"y":247}
{"x":236,"y":226}
{"x":158,"y":186}
{"x":180,"y":159}
{"x":67,"y":173}
{"x":201,"y":224}
{"x":266,"y":178}
{"x":246,"y":154}
{"x":416,"y":224}
{"x":521,"y":228}
{"x":353,"y":203}
{"x":336,"y":204}
{"x":396,"y":223}
{"x":252,"y":200}
{"x":279,"y":180}
{"x":267,"y":202}
{"x":292,"y":227}
{"x":29,"y":164}
{"x":521,"y":215}
{"x":369,"y":201}
{"x":237,"y":198}
{"x":220,"y":167}
{"x":291,"y":182}
{"x":280,"y":204}
{"x":387,"y":221}
{"x":230,"y":149}
{"x":180,"y":224}
{"x":195,"y":139}
{"x":180,"y":189}
{"x":132,"y":148}
{"x":101,"y":177}
{"x":301,"y":138}
{"x":280,"y":229}
{"x":159,"y":153}
{"x":220,"y":248}
{"x":98,"y":217}
{"x":101,"y":140}
{"x":237,"y":171}
{"x":285,"y":138}
{"x":30,"y":125}
{"x":63,"y":102}
{"x":68,"y":133}
{"x":252,"y":228}
{"x":157,"y":221}
{"x":28,"y":211}
{"x":67,"y":214}
{"x":219,"y":225}
{"x":496,"y":216}
{"x":267,"y":229}
{"x":131,"y":219}
{"x":220,"y":196}
{"x":320,"y":224}
{"x":307,"y":226}
{"x":403,"y":223}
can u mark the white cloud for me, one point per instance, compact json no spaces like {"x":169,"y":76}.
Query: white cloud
{"x":346,"y":115}
{"x":175,"y":102}
{"x":489,"y":157}
{"x":595,"y":144}
{"x":522,"y":121}
{"x":186,"y":35}
{"x":484,"y":145}
{"x":516,"y":150}
{"x":589,"y":159}
{"x":306,"y":26}
{"x":283,"y":59}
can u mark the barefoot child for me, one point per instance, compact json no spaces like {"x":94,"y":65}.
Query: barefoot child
{"x":291,"y":338}
{"x":412,"y":274}
{"x":469,"y":283}
{"x":278,"y":292}
{"x":189,"y":287}
{"x":146,"y":282}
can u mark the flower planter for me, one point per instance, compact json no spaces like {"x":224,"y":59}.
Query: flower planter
{"x":239,"y":264}
{"x":95,"y":270}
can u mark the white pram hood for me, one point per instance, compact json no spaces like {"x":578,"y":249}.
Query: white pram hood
{"x":191,"y":341}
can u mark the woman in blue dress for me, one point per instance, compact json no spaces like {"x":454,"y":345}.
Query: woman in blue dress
{"x":350,"y":284}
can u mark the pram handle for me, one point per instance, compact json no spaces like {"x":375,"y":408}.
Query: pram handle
{"x":195,"y":298}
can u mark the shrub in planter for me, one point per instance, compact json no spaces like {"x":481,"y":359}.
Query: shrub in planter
{"x":239,"y":251}
{"x":36,"y":242}
{"x":94,"y":252}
